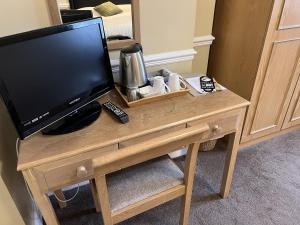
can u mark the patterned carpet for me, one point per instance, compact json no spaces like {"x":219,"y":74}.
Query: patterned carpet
{"x":265,"y":190}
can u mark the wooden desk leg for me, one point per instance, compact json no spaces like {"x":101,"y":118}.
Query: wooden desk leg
{"x":41,"y":199}
{"x":95,"y":195}
{"x":103,"y":197}
{"x":232,"y":150}
{"x":189,"y":174}
{"x":61,"y":196}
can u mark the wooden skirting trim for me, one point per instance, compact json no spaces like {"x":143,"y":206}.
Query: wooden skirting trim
{"x":264,"y":138}
{"x":203,"y":40}
{"x":161,"y":58}
{"x":147,"y":204}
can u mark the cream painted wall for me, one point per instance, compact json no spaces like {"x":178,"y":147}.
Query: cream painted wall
{"x":205,"y":16}
{"x":167,"y":25}
{"x":200,"y":61}
{"x":9,"y":214}
{"x":16,"y":16}
{"x":164,"y":29}
{"x":176,"y":32}
{"x":22,"y":15}
{"x":12,"y":180}
{"x":203,"y":27}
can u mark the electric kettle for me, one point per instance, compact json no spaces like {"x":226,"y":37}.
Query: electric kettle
{"x":132,"y":68}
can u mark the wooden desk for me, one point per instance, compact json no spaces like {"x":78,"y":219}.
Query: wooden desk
{"x":49,"y":163}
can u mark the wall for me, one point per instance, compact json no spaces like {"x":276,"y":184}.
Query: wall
{"x":12,"y":180}
{"x":164,"y":30}
{"x":168,"y":26}
{"x":174,"y":25}
{"x":16,"y":16}
{"x":9,"y":214}
{"x":203,"y":29}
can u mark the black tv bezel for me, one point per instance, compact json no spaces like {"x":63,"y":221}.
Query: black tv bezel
{"x":25,"y":132}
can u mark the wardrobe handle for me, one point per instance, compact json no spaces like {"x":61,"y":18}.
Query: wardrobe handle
{"x":216,"y":128}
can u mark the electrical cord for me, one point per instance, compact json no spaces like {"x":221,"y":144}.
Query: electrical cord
{"x":36,"y":209}
{"x":30,"y":194}
{"x":17,"y":146}
{"x":70,"y":199}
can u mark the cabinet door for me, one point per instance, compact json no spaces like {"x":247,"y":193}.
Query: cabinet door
{"x":293,"y":115}
{"x":274,"y":97}
{"x":277,"y":75}
{"x":290,"y":17}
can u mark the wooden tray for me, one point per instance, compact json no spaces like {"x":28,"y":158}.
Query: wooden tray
{"x":152,"y":98}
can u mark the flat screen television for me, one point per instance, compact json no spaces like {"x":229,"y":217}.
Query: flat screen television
{"x":51,"y":76}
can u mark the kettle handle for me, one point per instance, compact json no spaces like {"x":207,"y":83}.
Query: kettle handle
{"x":140,"y":47}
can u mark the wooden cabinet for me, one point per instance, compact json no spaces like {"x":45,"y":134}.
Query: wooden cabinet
{"x":257,"y":57}
{"x":290,"y":16}
{"x":293,"y":114}
{"x":276,"y":91}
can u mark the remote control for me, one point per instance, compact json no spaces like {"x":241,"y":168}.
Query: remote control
{"x":116,"y":112}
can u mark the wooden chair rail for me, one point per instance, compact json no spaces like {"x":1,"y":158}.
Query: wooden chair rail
{"x":178,"y":138}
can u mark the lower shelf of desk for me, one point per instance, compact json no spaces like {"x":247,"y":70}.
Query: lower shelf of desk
{"x":133,"y":184}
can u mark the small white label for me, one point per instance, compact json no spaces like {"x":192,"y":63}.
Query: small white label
{"x":74,"y":101}
{"x":27,"y":124}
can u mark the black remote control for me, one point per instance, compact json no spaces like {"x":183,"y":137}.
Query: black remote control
{"x":116,"y":112}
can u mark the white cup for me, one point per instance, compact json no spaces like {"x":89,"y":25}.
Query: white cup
{"x":159,"y":85}
{"x":132,"y":94}
{"x":176,"y":82}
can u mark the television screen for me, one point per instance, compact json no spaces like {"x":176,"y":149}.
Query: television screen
{"x":48,"y":73}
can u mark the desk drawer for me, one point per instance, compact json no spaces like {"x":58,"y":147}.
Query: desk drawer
{"x":151,"y":135}
{"x":218,"y":127}
{"x":72,"y":170}
{"x":69,"y":174}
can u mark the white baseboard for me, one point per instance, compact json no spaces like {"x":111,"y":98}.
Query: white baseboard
{"x":162,"y":58}
{"x":203,"y":40}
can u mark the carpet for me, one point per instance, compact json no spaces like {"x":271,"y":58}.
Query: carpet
{"x":265,"y":190}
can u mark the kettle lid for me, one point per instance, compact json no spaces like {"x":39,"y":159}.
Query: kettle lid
{"x":132,"y":49}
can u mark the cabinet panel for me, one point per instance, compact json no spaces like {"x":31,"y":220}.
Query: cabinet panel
{"x":290,"y":16}
{"x":273,"y":99}
{"x":293,"y":114}
{"x":296,"y":113}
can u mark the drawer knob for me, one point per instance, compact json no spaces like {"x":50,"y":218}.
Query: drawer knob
{"x":81,"y":171}
{"x":215,"y":128}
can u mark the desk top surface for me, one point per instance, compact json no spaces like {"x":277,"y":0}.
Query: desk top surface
{"x":106,"y":131}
